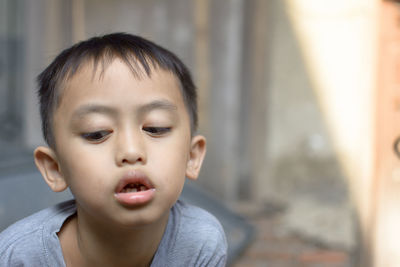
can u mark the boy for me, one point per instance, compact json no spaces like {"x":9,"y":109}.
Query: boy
{"x":119,"y":117}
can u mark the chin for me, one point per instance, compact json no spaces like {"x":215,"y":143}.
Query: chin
{"x":141,"y":218}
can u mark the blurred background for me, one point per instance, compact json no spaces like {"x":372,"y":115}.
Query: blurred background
{"x":299,"y":101}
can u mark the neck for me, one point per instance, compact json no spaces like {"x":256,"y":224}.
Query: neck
{"x":97,"y":244}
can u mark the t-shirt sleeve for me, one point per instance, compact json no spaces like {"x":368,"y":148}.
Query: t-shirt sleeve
{"x":33,"y":241}
{"x":22,"y":251}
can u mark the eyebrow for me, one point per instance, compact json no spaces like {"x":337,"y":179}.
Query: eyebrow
{"x":157,"y":104}
{"x":141,"y":110}
{"x":93,"y":108}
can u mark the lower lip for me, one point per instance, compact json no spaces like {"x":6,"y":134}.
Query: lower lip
{"x":135,"y":198}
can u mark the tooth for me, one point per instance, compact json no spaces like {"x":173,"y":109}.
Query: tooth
{"x":142,"y":188}
{"x":134,"y":190}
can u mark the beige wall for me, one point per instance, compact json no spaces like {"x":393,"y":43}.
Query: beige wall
{"x":334,"y":66}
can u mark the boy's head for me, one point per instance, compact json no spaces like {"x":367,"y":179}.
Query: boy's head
{"x":119,"y":114}
{"x":140,"y":55}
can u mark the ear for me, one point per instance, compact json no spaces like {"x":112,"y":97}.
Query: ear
{"x":197,"y":153}
{"x":47,"y":163}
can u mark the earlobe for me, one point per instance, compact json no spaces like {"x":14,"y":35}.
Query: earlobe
{"x":47,"y":163}
{"x":197,"y":153}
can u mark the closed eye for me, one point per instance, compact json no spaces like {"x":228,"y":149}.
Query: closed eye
{"x":96,"y":136}
{"x":157,"y":131}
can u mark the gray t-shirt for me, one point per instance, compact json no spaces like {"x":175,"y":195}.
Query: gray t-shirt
{"x":193,"y":237}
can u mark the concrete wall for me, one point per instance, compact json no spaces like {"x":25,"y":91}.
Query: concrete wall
{"x":321,"y":116}
{"x":299,"y":153}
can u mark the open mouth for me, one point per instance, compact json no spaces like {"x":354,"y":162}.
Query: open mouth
{"x":132,"y":182}
{"x":134,"y":187}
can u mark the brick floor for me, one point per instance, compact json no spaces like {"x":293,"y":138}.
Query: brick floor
{"x":275,"y":247}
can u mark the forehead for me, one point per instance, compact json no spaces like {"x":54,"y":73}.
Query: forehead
{"x":118,"y":78}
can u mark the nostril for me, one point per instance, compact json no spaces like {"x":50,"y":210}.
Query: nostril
{"x":131,"y":160}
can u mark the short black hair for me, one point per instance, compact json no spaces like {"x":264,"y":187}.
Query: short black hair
{"x":139,"y":54}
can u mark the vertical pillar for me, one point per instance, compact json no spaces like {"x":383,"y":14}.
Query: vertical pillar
{"x":253,"y":129}
{"x":78,"y":20}
{"x":34,"y":49}
{"x":224,"y":101}
{"x":385,"y":219}
{"x":48,"y":30}
{"x":202,"y":60}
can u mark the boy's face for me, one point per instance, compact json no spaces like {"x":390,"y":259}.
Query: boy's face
{"x":123,"y":145}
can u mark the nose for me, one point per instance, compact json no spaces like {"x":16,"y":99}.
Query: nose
{"x":130,"y":148}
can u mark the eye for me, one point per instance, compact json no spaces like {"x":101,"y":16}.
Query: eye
{"x":96,"y":136}
{"x":157,"y":131}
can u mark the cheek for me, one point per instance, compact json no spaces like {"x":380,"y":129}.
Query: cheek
{"x":172,"y":161}
{"x":83,"y":173}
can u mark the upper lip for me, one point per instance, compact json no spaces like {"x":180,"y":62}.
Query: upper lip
{"x":133,"y":177}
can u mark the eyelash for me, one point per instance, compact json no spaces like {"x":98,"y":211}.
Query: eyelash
{"x":157,"y":131}
{"x":96,"y":136}
{"x":99,"y":136}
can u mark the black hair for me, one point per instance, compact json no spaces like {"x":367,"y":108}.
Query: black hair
{"x":139,"y":54}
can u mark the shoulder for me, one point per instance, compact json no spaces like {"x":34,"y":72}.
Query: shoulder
{"x":198,"y":223}
{"x":26,"y":242}
{"x":198,"y":238}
